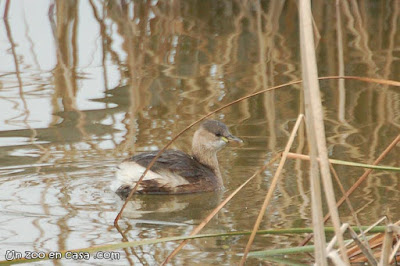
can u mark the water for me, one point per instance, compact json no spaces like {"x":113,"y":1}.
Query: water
{"x":98,"y":81}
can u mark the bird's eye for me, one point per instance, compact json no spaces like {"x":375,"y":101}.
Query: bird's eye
{"x":218,"y":134}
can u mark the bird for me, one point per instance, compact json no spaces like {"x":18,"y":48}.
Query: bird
{"x":176,"y":172}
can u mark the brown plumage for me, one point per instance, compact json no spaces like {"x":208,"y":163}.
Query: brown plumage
{"x":176,"y":172}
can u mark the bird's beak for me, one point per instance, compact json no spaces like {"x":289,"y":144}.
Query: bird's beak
{"x":232,"y":138}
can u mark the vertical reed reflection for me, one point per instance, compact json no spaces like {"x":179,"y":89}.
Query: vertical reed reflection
{"x":162,"y":64}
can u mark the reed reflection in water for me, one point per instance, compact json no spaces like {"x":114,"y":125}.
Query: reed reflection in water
{"x":84,"y":84}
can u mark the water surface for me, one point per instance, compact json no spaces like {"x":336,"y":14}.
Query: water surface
{"x":96,"y":81}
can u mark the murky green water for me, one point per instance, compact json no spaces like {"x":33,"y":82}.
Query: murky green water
{"x":96,"y":81}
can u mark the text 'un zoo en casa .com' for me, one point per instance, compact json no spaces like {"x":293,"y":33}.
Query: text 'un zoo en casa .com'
{"x":56,"y":255}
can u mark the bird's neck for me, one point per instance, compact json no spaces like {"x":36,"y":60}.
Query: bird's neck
{"x":208,"y":158}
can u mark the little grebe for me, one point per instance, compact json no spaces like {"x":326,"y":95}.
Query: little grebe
{"x":176,"y":172}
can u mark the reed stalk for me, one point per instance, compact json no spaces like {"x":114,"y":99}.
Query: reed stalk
{"x":365,"y":79}
{"x":216,"y":210}
{"x":387,"y":243}
{"x":271,"y":188}
{"x":283,"y":231}
{"x":359,"y":181}
{"x":315,"y":123}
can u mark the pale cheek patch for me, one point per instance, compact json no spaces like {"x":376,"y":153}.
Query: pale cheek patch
{"x":221,"y":143}
{"x":216,"y":144}
{"x":129,"y":173}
